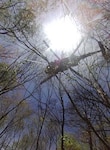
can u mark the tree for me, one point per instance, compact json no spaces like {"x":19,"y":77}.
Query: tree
{"x":70,"y":143}
{"x":7,"y":76}
{"x":41,"y":117}
{"x":15,"y":18}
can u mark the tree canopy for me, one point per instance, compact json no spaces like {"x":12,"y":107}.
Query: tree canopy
{"x":71,"y":110}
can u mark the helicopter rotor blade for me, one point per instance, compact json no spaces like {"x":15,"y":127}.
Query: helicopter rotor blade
{"x":51,"y":49}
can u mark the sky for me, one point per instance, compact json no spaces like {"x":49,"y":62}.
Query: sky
{"x":64,"y":27}
{"x":53,"y":24}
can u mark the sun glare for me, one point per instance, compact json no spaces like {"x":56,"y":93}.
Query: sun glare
{"x":63,"y":34}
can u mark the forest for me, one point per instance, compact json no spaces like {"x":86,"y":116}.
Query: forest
{"x":60,"y":108}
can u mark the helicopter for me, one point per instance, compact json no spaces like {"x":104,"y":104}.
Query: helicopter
{"x":60,"y":65}
{"x":63,"y":64}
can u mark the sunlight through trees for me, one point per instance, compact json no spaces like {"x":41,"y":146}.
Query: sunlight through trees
{"x":70,"y":110}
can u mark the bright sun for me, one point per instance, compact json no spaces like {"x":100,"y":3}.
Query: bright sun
{"x":63,"y":34}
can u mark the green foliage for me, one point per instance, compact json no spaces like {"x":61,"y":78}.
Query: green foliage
{"x":16,"y":18}
{"x":25,"y":21}
{"x":70,"y":143}
{"x":7,"y":76}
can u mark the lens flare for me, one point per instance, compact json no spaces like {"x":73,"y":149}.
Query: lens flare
{"x":63,"y":34}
